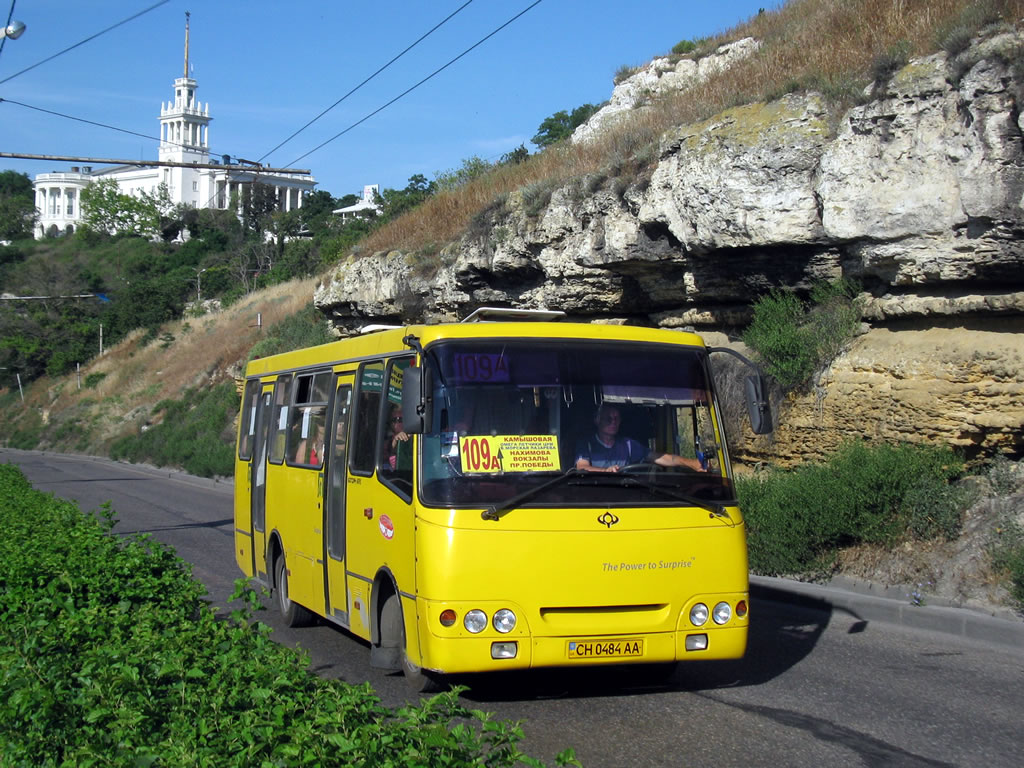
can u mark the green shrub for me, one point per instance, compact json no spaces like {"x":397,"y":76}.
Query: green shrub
{"x":306,"y":328}
{"x":1007,"y":549}
{"x":27,"y":431}
{"x":1007,"y":553}
{"x":92,"y":379}
{"x":793,"y":340}
{"x":623,"y":73}
{"x":1012,"y":562}
{"x":879,"y":494}
{"x":193,"y":435}
{"x":110,"y":656}
{"x":890,"y":62}
{"x":537,"y":195}
{"x":683,"y":47}
{"x":780,"y":338}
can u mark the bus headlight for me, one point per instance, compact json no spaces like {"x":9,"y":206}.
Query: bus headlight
{"x":722,"y":613}
{"x":475,"y":621}
{"x":699,"y":615}
{"x":504,"y":620}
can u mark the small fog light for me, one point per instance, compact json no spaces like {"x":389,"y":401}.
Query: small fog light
{"x":504,"y":650}
{"x":475,"y":621}
{"x":723,"y":612}
{"x":447,"y":617}
{"x":504,"y":621}
{"x":699,"y":615}
{"x":696,"y":642}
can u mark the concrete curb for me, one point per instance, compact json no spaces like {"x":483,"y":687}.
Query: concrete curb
{"x":961,"y":622}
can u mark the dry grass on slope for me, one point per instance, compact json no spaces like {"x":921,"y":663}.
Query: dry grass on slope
{"x":131,"y":377}
{"x":836,"y":47}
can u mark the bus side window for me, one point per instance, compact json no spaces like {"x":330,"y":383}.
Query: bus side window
{"x":367,"y":413}
{"x":307,"y":420}
{"x":395,"y":445}
{"x":247,"y":428}
{"x":279,"y":426}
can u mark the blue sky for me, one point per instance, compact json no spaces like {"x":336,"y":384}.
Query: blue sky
{"x":266,"y":68}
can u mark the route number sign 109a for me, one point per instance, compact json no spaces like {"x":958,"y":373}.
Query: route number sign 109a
{"x":509,"y":453}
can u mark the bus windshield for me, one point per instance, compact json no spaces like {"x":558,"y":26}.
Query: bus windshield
{"x":511,"y":415}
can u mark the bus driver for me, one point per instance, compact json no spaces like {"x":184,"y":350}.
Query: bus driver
{"x":605,"y":451}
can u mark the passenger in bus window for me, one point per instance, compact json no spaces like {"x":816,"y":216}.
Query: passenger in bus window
{"x":316,"y":451}
{"x":605,"y":451}
{"x":398,"y":440}
{"x":310,"y":450}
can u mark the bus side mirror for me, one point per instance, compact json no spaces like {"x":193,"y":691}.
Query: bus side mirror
{"x":755,"y":389}
{"x":416,"y":410}
{"x":758,"y":407}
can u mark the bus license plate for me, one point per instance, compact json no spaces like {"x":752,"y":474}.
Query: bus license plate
{"x":624,"y":648}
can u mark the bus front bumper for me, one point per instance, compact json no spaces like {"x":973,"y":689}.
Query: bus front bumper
{"x":491,"y":654}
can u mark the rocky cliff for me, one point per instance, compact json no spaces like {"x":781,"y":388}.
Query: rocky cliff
{"x":915,"y":193}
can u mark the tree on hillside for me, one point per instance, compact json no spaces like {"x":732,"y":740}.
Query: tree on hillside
{"x":48,"y":335}
{"x":395,"y":202}
{"x":516,"y":156}
{"x":259,"y":201}
{"x":561,"y":125}
{"x":108,"y":210}
{"x":317,"y":202}
{"x":471,"y":168}
{"x":17,"y":206}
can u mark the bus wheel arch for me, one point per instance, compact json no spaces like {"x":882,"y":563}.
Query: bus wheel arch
{"x":293,"y":614}
{"x":389,"y":647}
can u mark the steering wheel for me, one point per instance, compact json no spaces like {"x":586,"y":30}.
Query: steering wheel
{"x":649,"y":467}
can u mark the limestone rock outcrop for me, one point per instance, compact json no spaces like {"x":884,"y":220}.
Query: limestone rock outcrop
{"x":916,"y":194}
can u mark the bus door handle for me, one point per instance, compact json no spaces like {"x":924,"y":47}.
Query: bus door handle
{"x":368,"y":513}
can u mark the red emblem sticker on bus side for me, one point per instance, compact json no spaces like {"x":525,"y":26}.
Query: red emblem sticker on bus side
{"x":387,"y":528}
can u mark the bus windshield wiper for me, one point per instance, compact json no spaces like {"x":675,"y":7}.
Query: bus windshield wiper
{"x":631,"y":481}
{"x":497,"y":511}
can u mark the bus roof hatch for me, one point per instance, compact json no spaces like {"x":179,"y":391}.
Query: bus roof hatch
{"x":493,"y":314}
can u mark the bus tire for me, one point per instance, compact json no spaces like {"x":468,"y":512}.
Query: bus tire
{"x":294,"y":615}
{"x":392,"y":632}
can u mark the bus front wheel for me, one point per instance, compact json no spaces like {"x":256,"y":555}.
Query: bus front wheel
{"x":294,"y":614}
{"x":392,"y":633}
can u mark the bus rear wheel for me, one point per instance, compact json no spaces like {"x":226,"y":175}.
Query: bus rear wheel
{"x":392,"y":633}
{"x":294,"y":615}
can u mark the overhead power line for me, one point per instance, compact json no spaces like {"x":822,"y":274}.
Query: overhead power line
{"x":392,"y":61}
{"x":93,"y":122}
{"x":249,"y":167}
{"x":83,"y":42}
{"x":409,"y":90}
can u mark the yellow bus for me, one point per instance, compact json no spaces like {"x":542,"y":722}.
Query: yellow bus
{"x":437,"y":491}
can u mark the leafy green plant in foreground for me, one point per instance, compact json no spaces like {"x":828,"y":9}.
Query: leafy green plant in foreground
{"x":109,"y":656}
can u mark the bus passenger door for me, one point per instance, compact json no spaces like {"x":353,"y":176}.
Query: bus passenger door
{"x":335,"y":587}
{"x":259,"y":484}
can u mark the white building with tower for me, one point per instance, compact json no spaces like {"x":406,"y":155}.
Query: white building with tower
{"x":184,"y":139}
{"x":366,"y":207}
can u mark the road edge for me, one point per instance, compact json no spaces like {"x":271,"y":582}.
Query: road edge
{"x":957,"y":621}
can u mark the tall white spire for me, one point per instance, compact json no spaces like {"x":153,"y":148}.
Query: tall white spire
{"x":184,"y":122}
{"x":187,"y":14}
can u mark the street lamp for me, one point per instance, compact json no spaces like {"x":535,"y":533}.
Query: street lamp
{"x":12,"y":30}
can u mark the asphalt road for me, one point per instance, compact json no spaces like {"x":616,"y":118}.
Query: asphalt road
{"x":815,"y":689}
